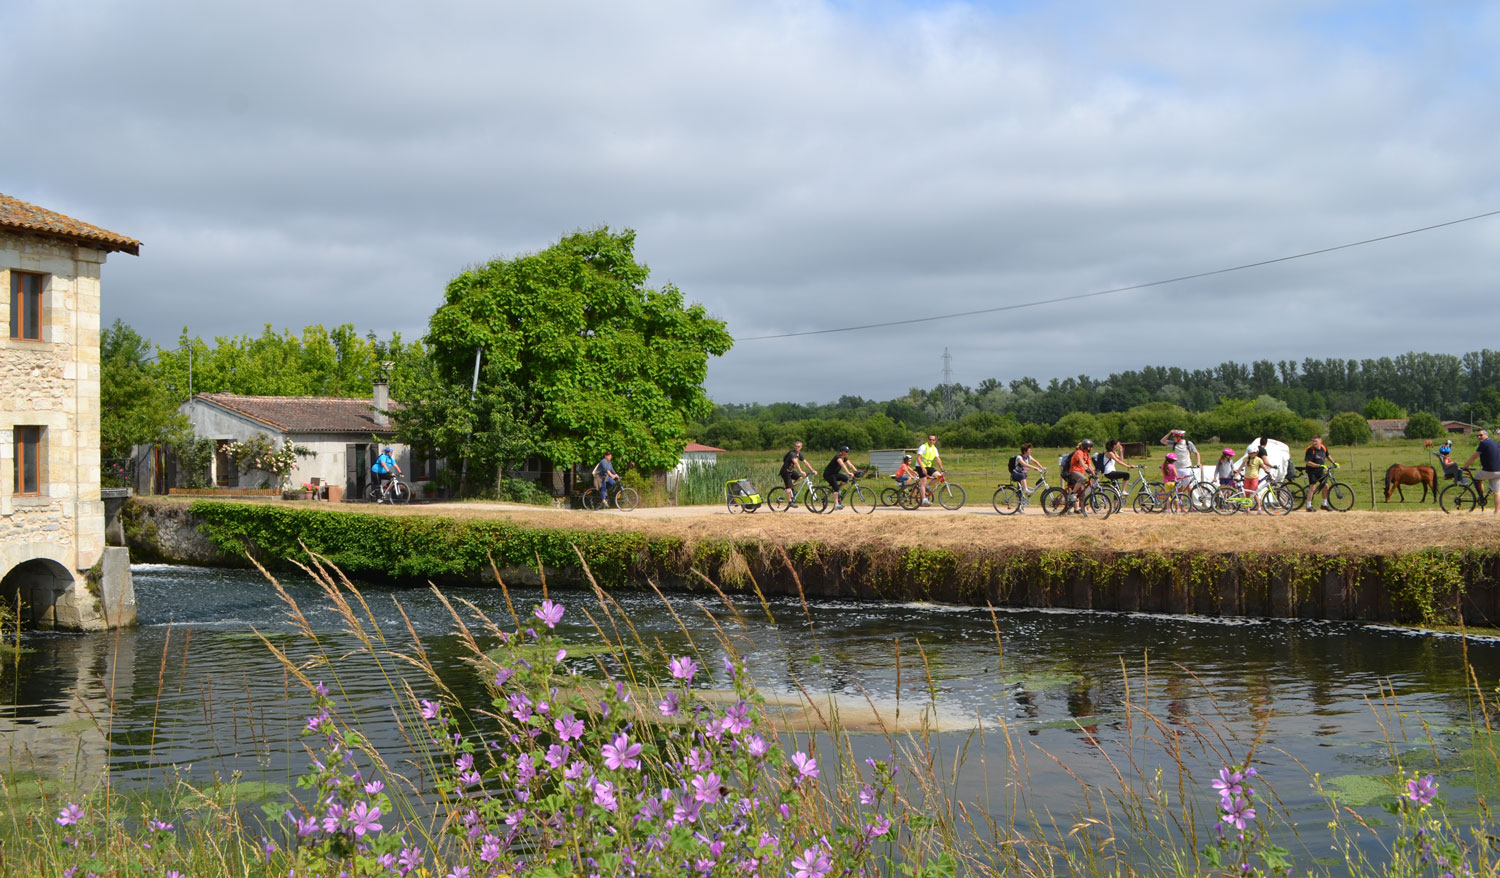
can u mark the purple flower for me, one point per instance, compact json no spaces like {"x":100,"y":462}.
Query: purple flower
{"x":758,"y":746}
{"x":575,"y":771}
{"x":561,"y":654}
{"x":464,"y":762}
{"x":410,"y":860}
{"x":557,"y":754}
{"x":70,"y":816}
{"x":429,"y":709}
{"x":158,"y":826}
{"x":807,"y":767}
{"x":1236,"y":812}
{"x":669,"y":705}
{"x":620,"y":753}
{"x":568,"y":727}
{"x":489,"y":849}
{"x":879,"y":827}
{"x":305,"y":826}
{"x":334,"y":818}
{"x":460,"y":872}
{"x":374,"y":787}
{"x":502,"y":676}
{"x":866,"y":795}
{"x":550,"y":613}
{"x":737,"y":718}
{"x":683,"y":668}
{"x":525,"y":769}
{"x":1420,"y":790}
{"x":1230,"y":783}
{"x":813,"y":863}
{"x":604,"y":795}
{"x":699,"y":760}
{"x":363,"y":819}
{"x":706,"y":788}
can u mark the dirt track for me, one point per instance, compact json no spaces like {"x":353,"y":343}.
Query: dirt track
{"x":1355,"y":532}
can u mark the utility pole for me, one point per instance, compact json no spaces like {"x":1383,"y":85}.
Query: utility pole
{"x":947,"y":385}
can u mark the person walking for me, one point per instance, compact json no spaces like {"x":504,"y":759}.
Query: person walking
{"x":1488,"y":454}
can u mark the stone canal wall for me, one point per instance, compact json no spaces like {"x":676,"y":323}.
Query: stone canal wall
{"x":1429,"y":585}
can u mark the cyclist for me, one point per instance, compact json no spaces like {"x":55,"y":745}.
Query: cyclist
{"x":1169,"y":478}
{"x":385,"y":469}
{"x":1252,"y":466}
{"x":1488,"y":454}
{"x":1224,"y":469}
{"x":928,"y":464}
{"x":1019,"y":464}
{"x":1114,"y":462}
{"x":1189,"y":461}
{"x":793,"y":467}
{"x":1316,"y":458}
{"x":605,"y":477}
{"x":1076,"y":476}
{"x":838,"y":471}
{"x":905,"y":472}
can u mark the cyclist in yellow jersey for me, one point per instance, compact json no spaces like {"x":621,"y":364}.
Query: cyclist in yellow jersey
{"x":928,"y":463}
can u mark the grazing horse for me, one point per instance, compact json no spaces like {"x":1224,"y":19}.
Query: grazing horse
{"x":1399,"y":475}
{"x":1427,"y":443}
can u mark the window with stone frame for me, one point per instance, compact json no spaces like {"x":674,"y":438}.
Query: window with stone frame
{"x":26,"y":305}
{"x":28,"y":457}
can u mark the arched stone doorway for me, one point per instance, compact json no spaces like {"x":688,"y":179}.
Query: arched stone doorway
{"x":36,"y":585}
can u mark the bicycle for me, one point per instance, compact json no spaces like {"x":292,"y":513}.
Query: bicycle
{"x":393,"y":491}
{"x":1095,"y":500}
{"x":1119,"y":489}
{"x":624,"y":499}
{"x":813,"y":497}
{"x":948,"y":495}
{"x":1340,"y":496}
{"x":1273,"y":499}
{"x":1010,"y":499}
{"x":856,"y":496}
{"x":1466,"y":494}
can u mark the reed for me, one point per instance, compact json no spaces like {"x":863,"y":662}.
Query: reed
{"x":634,"y":768}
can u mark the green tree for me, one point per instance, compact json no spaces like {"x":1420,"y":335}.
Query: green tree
{"x":602,"y":362}
{"x":1380,"y":408}
{"x":1348,"y":428}
{"x":135,"y":408}
{"x":484,"y":433}
{"x":1424,"y":425}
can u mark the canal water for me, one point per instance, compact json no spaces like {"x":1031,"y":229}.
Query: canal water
{"x":1043,"y":700}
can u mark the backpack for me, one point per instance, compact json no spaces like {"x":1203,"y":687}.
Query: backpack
{"x":1062,"y":460}
{"x":1099,"y":461}
{"x":1014,"y":463}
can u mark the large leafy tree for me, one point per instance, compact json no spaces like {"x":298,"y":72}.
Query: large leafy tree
{"x":602,"y":362}
{"x":135,"y":408}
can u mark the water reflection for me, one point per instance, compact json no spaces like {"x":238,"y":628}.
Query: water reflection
{"x":196,"y":686}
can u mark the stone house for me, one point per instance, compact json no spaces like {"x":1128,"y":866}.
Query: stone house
{"x":1387,"y":428}
{"x":344,"y":436}
{"x":52,"y":548}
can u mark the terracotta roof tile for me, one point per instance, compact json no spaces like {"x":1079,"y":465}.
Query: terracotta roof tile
{"x":694,"y":446}
{"x":303,"y":414}
{"x":19,"y":215}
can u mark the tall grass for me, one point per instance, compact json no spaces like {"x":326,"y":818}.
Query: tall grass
{"x":704,"y":484}
{"x":635,"y":769}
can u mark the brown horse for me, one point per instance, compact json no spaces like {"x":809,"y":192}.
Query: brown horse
{"x":1399,"y":475}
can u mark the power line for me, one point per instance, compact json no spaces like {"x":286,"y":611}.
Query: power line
{"x":1155,"y":283}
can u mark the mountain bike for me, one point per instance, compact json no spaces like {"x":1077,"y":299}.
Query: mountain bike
{"x":624,"y":499}
{"x":1095,"y":500}
{"x":813,"y":497}
{"x":1010,"y":499}
{"x":1119,"y":489}
{"x":1466,"y":494}
{"x":393,"y":491}
{"x":1340,"y":495}
{"x":856,"y":496}
{"x":1274,"y":499}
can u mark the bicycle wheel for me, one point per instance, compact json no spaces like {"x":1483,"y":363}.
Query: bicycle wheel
{"x":780,"y":500}
{"x":1007,"y":500}
{"x":400,"y":492}
{"x":816,"y":499}
{"x":1099,"y":503}
{"x":1201,"y":497}
{"x":627,"y":499}
{"x":1144,"y":502}
{"x":1458,"y":498}
{"x":890,"y":496}
{"x":1226,"y":500}
{"x":951,"y":496}
{"x":372,"y":493}
{"x":1297,"y":492}
{"x":1054,"y":501}
{"x":590,"y":499}
{"x":860,"y":499}
{"x":1341,"y":497}
{"x":1279,"y":501}
{"x":909,"y":497}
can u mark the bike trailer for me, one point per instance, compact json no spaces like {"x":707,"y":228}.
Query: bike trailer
{"x":741,"y":494}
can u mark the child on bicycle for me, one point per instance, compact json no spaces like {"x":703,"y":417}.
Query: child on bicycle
{"x":904,"y":473}
{"x":1252,"y":466}
{"x":1169,"y":478}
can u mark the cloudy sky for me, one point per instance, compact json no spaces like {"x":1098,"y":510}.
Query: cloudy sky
{"x":794,"y":165}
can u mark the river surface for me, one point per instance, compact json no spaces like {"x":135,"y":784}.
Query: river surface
{"x":195,"y":689}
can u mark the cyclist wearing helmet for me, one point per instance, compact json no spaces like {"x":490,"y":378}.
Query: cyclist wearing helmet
{"x":1224,"y":471}
{"x":906,"y":472}
{"x":385,"y":469}
{"x":1080,"y":467}
{"x":838,"y":471}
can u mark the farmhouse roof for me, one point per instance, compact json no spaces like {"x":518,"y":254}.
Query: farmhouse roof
{"x":695,"y":446}
{"x":1452,"y":424}
{"x":1387,"y":423}
{"x":303,"y":414}
{"x":18,"y":215}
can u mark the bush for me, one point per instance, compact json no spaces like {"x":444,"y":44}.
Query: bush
{"x":523,"y":491}
{"x":1073,"y":428}
{"x":1348,"y":428}
{"x":1381,"y":408}
{"x":1424,"y":425}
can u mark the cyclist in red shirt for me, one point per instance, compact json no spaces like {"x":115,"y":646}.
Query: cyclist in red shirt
{"x":1080,"y":467}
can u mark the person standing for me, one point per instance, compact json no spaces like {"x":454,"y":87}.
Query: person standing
{"x":1189,"y":461}
{"x":793,"y":467}
{"x":1316,"y":460}
{"x":929,"y":462}
{"x":1488,"y":454}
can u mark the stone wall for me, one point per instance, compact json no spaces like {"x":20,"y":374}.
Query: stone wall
{"x":53,"y":383}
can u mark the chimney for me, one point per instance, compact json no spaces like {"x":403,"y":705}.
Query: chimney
{"x":382,"y":403}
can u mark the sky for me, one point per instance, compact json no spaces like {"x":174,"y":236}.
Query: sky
{"x":793,"y":165}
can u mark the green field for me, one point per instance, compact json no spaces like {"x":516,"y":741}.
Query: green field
{"x":980,"y":471}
